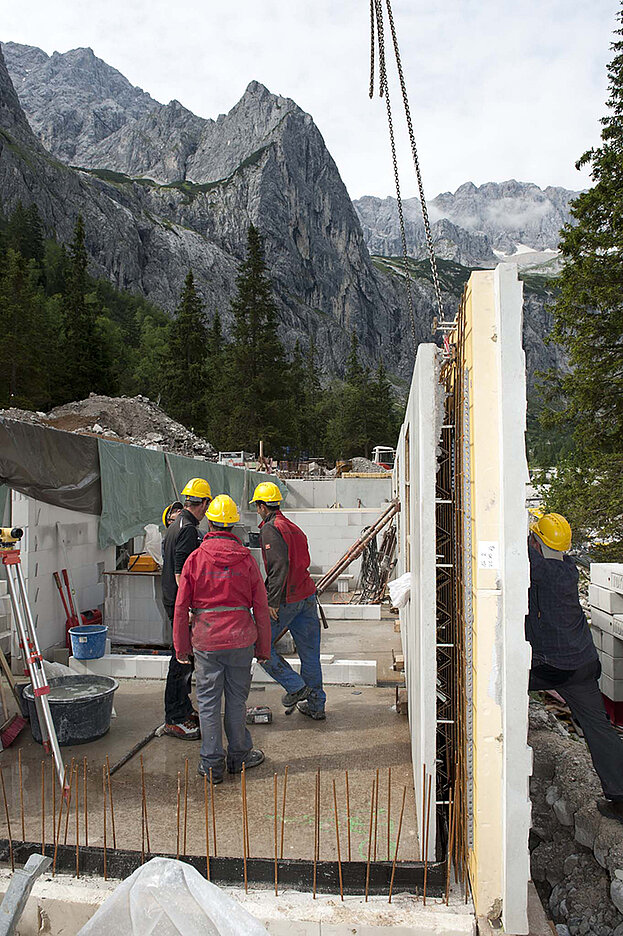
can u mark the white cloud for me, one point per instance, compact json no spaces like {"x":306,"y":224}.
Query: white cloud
{"x":497,"y":90}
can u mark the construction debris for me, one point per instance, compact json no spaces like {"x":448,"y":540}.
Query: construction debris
{"x":136,"y":420}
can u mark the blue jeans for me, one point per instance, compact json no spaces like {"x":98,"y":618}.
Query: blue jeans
{"x":301,"y":619}
{"x":218,"y":672}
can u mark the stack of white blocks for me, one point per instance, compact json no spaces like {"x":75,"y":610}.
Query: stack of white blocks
{"x":606,"y":600}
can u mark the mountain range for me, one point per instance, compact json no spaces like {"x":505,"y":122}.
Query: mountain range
{"x":162,"y":190}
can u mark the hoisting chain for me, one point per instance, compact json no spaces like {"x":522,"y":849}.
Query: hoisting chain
{"x":376,"y":12}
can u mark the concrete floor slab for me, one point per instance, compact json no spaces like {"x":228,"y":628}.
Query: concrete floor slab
{"x":362,"y":733}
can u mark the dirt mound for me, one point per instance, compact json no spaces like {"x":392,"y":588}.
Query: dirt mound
{"x":137,"y":420}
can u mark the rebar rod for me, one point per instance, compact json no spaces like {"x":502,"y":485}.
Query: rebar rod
{"x":283,"y":810}
{"x":179,"y":797}
{"x":77,"y":823}
{"x":389,"y":807}
{"x":112,"y":805}
{"x":275,"y":831}
{"x":213,"y":812}
{"x":243,"y":794}
{"x":370,"y":837}
{"x":185,"y":799}
{"x":105,"y":823}
{"x":69,"y":792}
{"x":316,"y":832}
{"x":21,"y":793}
{"x":430,"y":781}
{"x":8,"y":820}
{"x":85,"y":802}
{"x":337,"y":839}
{"x":348,"y":813}
{"x":207,"y":824}
{"x":402,"y":809}
{"x":376,"y":811}
{"x":43,"y":807}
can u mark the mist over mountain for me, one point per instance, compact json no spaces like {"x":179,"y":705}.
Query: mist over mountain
{"x":162,"y":190}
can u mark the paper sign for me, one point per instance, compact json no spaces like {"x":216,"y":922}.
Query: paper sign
{"x":488,"y":554}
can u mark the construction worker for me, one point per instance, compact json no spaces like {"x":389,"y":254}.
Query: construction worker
{"x":171,"y":513}
{"x":220,"y":585}
{"x":181,"y":539}
{"x":564,"y":657}
{"x":291,"y":602}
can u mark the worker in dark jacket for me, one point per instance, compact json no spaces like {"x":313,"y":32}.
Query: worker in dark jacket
{"x":220,"y":586}
{"x":292,"y":603}
{"x":181,"y":539}
{"x":563,"y":653}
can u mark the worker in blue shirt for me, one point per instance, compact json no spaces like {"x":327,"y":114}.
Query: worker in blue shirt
{"x":564,"y":657}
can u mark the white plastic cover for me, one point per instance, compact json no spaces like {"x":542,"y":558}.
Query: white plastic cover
{"x":153,"y":543}
{"x":166,"y":897}
{"x":400,"y":590}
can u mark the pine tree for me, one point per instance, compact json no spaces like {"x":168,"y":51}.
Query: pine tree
{"x":185,"y":364}
{"x":24,"y":337}
{"x":588,"y":322}
{"x":86,"y":362}
{"x":25,"y":232}
{"x":257,"y":368}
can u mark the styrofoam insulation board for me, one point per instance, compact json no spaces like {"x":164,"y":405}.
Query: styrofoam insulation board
{"x":148,"y":666}
{"x":608,"y":575}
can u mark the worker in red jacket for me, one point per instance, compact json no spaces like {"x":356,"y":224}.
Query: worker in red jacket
{"x":222,"y":589}
{"x":292,"y":603}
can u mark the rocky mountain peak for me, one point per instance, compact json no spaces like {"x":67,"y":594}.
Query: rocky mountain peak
{"x":12,"y":117}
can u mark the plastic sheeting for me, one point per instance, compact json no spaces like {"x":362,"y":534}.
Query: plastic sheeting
{"x":52,"y":466}
{"x":170,"y":898}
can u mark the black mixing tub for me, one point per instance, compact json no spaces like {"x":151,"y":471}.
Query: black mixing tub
{"x":81,"y":707}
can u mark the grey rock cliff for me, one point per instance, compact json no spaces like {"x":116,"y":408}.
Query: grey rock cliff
{"x":162,"y":190}
{"x":476,"y":220}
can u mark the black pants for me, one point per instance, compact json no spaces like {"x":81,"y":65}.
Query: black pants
{"x":580,"y":690}
{"x":177,"y":704}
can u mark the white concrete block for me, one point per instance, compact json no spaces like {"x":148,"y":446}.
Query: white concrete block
{"x":601,"y":620}
{"x":101,"y":667}
{"x":617,"y":625}
{"x":352,"y":612}
{"x":612,"y":667}
{"x":608,"y":575}
{"x":605,"y":599}
{"x":148,"y":667}
{"x":334,"y":673}
{"x":611,"y":688}
{"x":612,"y":645}
{"x":597,"y":636}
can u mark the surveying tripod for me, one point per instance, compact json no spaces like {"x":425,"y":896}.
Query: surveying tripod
{"x":10,"y":555}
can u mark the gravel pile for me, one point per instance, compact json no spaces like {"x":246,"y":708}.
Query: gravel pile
{"x":365,"y":466}
{"x":136,"y":420}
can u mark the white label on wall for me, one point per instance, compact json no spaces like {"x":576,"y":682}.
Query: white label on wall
{"x":488,"y":554}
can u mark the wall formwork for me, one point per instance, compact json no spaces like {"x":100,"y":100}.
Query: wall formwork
{"x":466,"y":659}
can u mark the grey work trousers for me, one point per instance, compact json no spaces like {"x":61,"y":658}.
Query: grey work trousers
{"x":218,"y":673}
{"x":580,"y":690}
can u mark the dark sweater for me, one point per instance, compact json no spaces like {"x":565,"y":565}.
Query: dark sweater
{"x":556,"y":625}
{"x":181,"y":539}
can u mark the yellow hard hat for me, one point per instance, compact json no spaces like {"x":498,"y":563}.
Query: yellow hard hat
{"x":197,"y":487}
{"x":268,"y":492}
{"x":554,"y":530}
{"x":166,"y":513}
{"x":223,"y":511}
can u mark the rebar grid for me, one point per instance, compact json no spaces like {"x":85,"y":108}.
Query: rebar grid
{"x":453,"y":586}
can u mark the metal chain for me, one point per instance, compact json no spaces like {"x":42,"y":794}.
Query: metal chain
{"x":416,"y":162}
{"x":372,"y":38}
{"x":384,"y":92}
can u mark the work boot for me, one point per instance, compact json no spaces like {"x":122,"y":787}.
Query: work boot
{"x":611,"y":809}
{"x":291,"y":698}
{"x":217,"y":773}
{"x":254,"y":758}
{"x":316,"y":714}
{"x":187,"y":730}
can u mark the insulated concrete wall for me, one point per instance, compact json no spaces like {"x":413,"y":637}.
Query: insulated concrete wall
{"x":331,"y":532}
{"x":347,"y":492}
{"x":56,"y":539}
{"x":414,"y":479}
{"x":495,"y":364}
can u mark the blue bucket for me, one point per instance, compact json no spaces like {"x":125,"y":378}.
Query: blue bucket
{"x":88,"y":641}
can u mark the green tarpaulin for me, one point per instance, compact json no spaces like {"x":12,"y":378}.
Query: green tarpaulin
{"x":137,"y":484}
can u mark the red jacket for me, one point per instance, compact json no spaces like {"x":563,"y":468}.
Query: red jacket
{"x":220,"y":574}
{"x":299,"y":583}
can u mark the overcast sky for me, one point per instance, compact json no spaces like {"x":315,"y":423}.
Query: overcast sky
{"x":498,"y":90}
